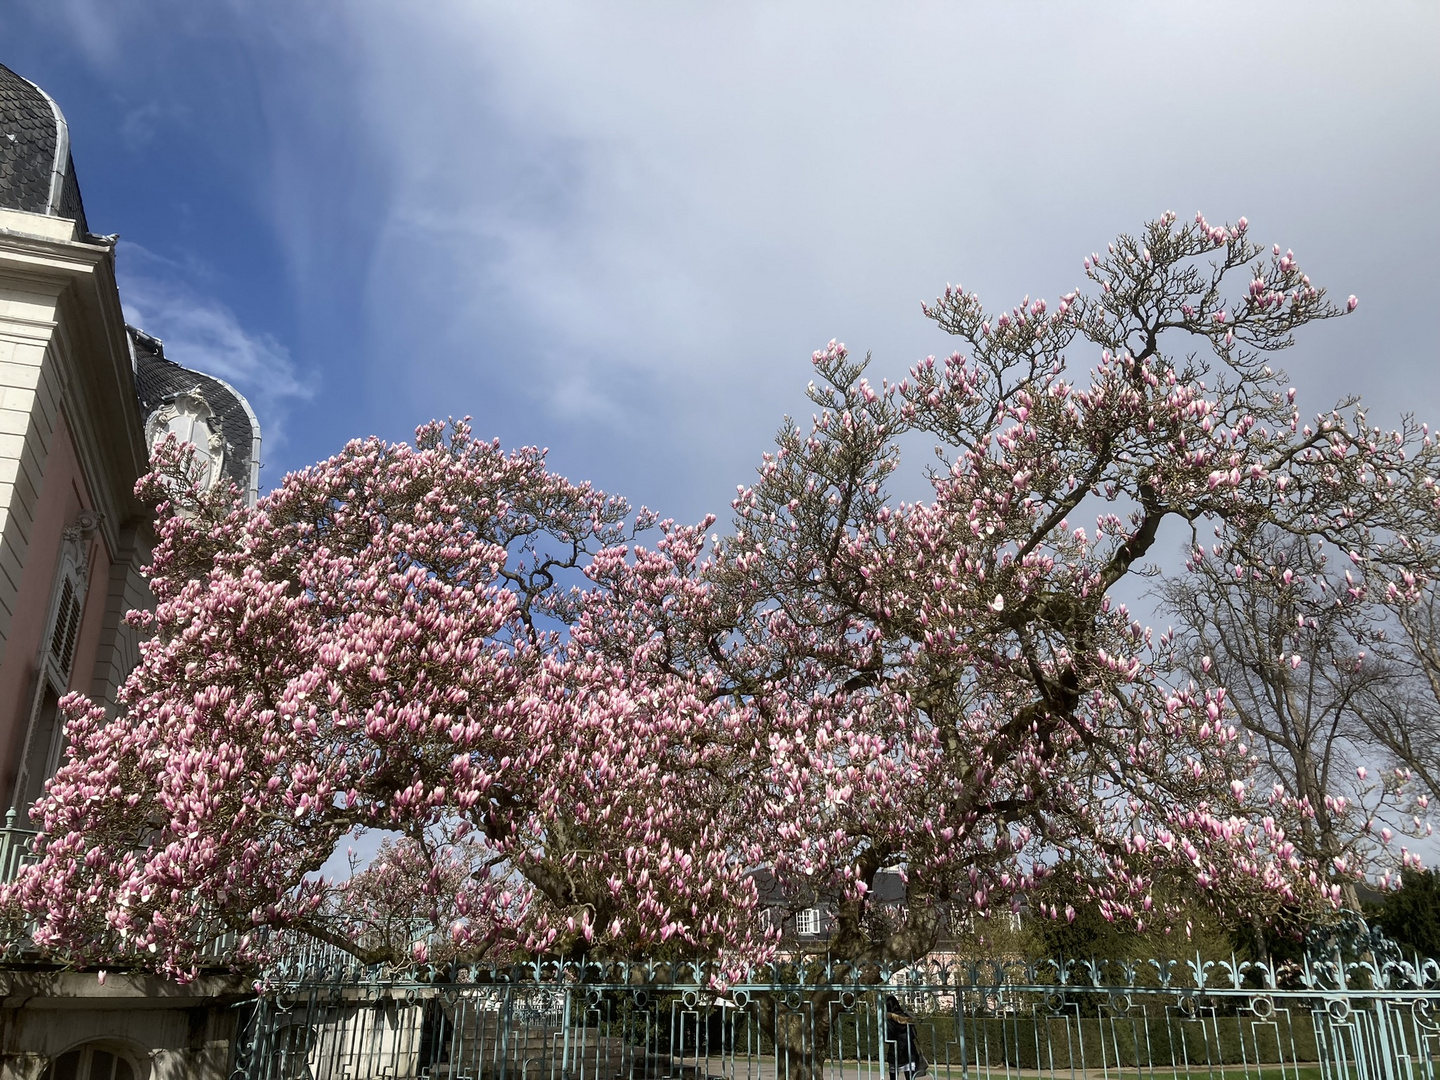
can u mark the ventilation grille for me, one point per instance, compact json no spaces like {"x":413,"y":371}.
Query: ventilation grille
{"x":67,"y":629}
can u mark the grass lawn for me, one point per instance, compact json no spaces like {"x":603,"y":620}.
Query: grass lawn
{"x":1158,"y":1072}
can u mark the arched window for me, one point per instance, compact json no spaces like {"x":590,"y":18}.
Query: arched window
{"x":93,"y":1061}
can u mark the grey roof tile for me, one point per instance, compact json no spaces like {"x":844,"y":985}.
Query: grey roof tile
{"x":29,"y":135}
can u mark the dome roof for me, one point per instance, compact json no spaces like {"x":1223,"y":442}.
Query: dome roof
{"x":37,"y":173}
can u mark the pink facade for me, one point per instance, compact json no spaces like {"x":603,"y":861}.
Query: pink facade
{"x":64,"y":495}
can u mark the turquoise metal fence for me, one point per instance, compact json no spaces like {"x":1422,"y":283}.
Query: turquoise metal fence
{"x":1372,"y":1017}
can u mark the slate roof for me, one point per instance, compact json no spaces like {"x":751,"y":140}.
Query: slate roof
{"x":887,"y":888}
{"x":32,"y":131}
{"x":158,"y":380}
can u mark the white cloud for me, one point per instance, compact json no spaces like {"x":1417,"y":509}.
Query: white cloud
{"x":202,"y":333}
{"x":667,"y":207}
{"x":142,"y":123}
{"x":620,"y":229}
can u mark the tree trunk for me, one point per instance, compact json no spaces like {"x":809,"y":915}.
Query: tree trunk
{"x":800,"y":1031}
{"x":1262,"y":949}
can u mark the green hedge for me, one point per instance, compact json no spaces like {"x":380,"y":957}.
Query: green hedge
{"x":1023,"y":1040}
{"x":1061,"y":1042}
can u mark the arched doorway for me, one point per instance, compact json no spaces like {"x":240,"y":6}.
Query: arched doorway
{"x":93,"y":1061}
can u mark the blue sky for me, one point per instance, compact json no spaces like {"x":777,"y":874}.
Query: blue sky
{"x":618,"y":230}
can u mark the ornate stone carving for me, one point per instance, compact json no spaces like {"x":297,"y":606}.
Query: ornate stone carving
{"x":189,"y":417}
{"x":75,"y":538}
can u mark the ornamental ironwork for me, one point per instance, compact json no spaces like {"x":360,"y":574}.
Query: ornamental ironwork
{"x":1353,"y":1016}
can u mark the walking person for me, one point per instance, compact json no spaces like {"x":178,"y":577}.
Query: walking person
{"x":903,"y":1042}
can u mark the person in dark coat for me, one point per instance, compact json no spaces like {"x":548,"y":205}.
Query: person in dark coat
{"x":903,"y":1042}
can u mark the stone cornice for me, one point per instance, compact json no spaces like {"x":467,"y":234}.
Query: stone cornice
{"x":74,"y":284}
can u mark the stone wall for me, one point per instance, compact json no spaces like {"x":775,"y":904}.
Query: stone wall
{"x":164,"y":1029}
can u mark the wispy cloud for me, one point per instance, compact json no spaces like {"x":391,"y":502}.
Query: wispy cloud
{"x":642,"y":219}
{"x":201,"y":332}
{"x":620,"y":231}
{"x":141,"y":123}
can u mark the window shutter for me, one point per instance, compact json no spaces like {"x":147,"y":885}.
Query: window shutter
{"x":67,"y":628}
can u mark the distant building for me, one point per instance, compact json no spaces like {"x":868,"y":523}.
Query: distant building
{"x":807,"y":924}
{"x":82,"y":398}
{"x":806,"y":921}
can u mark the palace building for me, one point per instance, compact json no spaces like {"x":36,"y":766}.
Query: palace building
{"x":82,"y":398}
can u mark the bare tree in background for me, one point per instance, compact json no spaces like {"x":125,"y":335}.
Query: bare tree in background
{"x":1286,"y":636}
{"x":1402,"y":714}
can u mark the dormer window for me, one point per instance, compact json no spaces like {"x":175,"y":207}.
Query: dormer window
{"x":190,"y":419}
{"x":199,"y":409}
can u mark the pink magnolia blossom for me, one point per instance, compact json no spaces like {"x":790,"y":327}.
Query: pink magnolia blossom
{"x":580,"y":745}
{"x":380,"y":645}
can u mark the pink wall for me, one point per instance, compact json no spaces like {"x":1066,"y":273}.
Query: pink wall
{"x":63,"y":494}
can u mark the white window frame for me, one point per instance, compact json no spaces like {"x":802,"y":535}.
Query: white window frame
{"x":85,"y":1064}
{"x":807,"y":922}
{"x":190,"y":418}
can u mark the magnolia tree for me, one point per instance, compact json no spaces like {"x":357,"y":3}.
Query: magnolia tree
{"x":575,"y":744}
{"x":379,"y":646}
{"x":1403,"y":716}
{"x":951,"y":686}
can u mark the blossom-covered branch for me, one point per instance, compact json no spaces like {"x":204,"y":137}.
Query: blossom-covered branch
{"x":578,"y":744}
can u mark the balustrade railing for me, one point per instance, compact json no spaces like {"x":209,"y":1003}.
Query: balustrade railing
{"x":14,"y":847}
